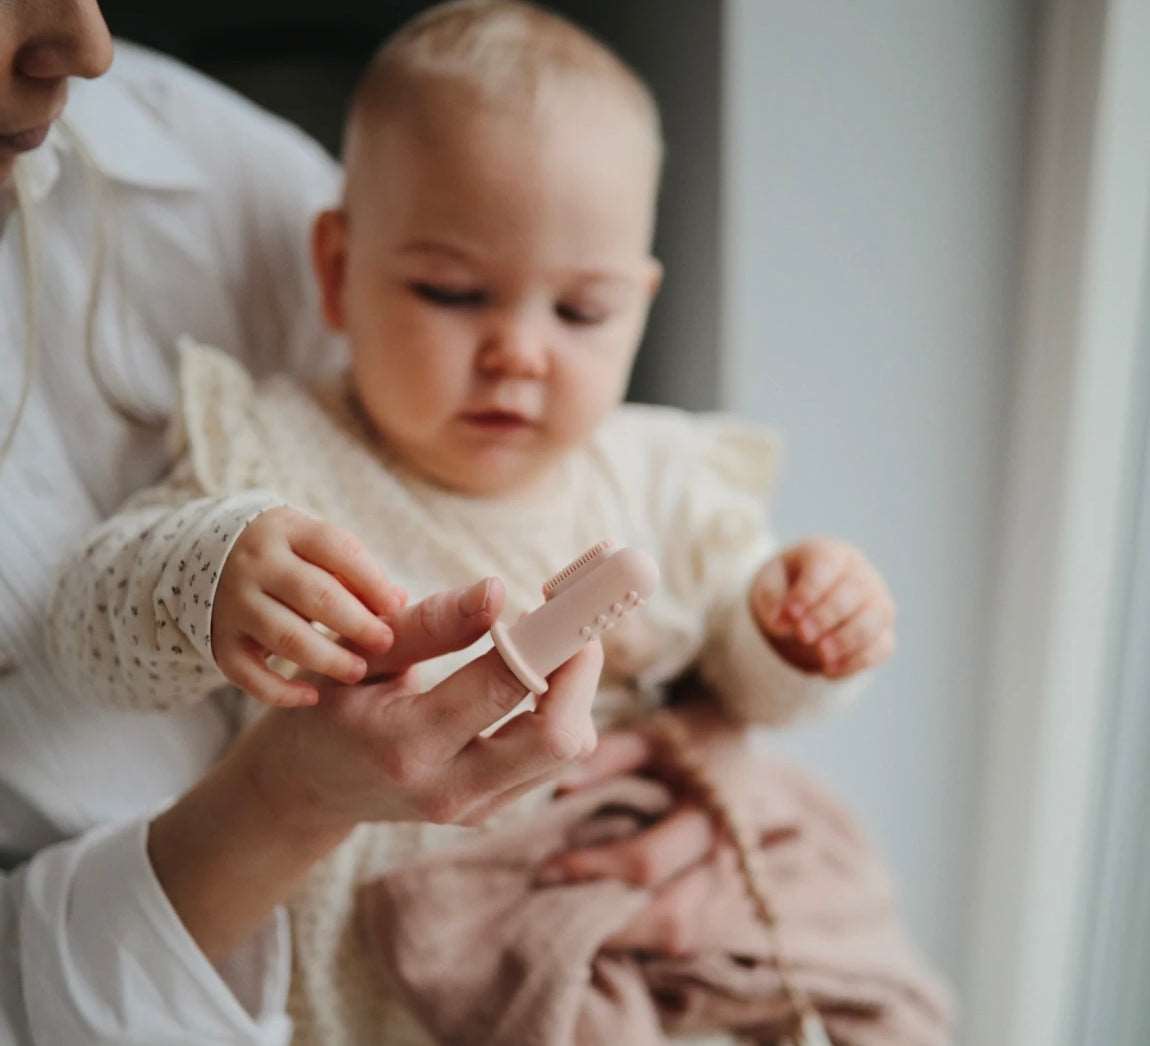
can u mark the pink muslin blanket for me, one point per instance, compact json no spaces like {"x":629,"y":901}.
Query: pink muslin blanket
{"x":487,"y":957}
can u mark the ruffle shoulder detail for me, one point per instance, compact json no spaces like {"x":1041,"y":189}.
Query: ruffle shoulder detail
{"x":216,"y":427}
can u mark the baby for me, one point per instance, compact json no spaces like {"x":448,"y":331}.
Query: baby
{"x":490,"y":265}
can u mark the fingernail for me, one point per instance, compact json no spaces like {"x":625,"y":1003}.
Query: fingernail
{"x":386,"y":638}
{"x":396,"y":601}
{"x":476,"y":598}
{"x":807,"y":631}
{"x":356,"y":671}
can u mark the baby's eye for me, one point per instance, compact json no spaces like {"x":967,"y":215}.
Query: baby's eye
{"x":580,"y":315}
{"x":448,"y":296}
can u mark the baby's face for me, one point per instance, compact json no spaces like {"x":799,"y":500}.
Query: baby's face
{"x":493,"y":279}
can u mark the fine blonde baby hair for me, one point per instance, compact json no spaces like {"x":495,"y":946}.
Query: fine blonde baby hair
{"x":510,"y":53}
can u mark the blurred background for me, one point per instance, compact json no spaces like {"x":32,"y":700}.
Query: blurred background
{"x":851,"y":235}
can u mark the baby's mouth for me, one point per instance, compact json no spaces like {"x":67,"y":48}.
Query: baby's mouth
{"x":498,"y":420}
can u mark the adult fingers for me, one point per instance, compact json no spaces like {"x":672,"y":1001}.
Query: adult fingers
{"x":282,"y":631}
{"x":439,"y":624}
{"x":343,"y":554}
{"x":666,"y":926}
{"x":618,"y":752}
{"x":561,"y":727}
{"x":531,"y":745}
{"x":477,"y":815}
{"x":648,"y":859}
{"x":317,"y":595}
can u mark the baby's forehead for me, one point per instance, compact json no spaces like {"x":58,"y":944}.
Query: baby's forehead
{"x":498,"y":94}
{"x":445,"y":134}
{"x":510,"y":56}
{"x":539,"y":105}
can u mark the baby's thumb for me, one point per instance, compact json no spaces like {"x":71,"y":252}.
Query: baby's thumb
{"x":768,"y":595}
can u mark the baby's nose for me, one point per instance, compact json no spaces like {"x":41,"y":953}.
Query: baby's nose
{"x":515,"y":349}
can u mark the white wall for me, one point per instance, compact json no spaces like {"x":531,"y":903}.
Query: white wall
{"x":873,"y":158}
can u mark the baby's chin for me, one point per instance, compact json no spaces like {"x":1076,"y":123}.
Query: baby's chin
{"x":497,"y":475}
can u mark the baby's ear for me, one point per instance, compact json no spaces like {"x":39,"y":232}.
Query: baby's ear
{"x":329,"y":258}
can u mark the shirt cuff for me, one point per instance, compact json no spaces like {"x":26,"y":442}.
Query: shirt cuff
{"x":107,"y":959}
{"x":754,"y":684}
{"x":187,"y":586}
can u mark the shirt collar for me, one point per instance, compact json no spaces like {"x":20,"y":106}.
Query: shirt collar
{"x":125,"y":140}
{"x":39,"y":169}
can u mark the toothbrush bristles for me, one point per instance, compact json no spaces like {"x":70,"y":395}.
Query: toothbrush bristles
{"x":552,"y":583}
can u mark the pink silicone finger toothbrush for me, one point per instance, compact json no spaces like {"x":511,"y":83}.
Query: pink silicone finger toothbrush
{"x":585,"y":599}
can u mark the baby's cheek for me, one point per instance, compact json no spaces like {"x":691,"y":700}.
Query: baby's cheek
{"x":585,"y":398}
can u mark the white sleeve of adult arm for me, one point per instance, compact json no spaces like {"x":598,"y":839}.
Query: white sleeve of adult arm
{"x":93,"y":954}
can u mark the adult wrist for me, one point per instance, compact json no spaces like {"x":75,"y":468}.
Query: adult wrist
{"x":227,"y":855}
{"x":282,"y":803}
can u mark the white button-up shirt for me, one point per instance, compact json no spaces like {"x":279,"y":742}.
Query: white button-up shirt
{"x":203,"y":204}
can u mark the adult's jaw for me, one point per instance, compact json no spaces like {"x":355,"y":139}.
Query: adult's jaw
{"x":26,"y":140}
{"x":14,"y":141}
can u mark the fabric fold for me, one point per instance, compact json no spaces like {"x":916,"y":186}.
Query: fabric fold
{"x":484,"y":955}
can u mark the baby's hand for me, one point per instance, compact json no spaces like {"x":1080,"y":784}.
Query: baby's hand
{"x":824,"y":608}
{"x":285,"y":571}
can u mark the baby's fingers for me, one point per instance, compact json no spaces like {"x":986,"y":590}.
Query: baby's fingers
{"x":854,"y":633}
{"x":281,"y":631}
{"x":244,"y":663}
{"x":653,"y":857}
{"x":844,"y":600}
{"x":814,"y":568}
{"x":769,"y":596}
{"x":869,"y":656}
{"x":316,"y":595}
{"x":343,"y":554}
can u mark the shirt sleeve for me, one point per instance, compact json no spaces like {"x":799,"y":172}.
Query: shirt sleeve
{"x":130,"y":620}
{"x":263,"y":201}
{"x":94,"y":955}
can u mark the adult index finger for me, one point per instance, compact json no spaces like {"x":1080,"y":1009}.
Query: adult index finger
{"x":524,"y":753}
{"x":618,"y":752}
{"x":439,"y":624}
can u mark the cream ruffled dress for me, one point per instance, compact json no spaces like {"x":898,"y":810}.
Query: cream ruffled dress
{"x":690,"y":489}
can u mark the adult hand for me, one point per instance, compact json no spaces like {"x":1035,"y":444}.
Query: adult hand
{"x":384,"y":751}
{"x":294,"y":785}
{"x":681,"y":858}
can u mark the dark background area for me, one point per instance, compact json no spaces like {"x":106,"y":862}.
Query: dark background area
{"x":301,"y":60}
